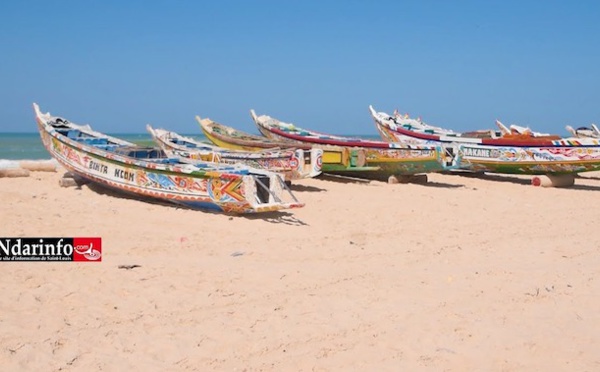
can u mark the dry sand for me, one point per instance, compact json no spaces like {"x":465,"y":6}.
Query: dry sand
{"x":461,"y":274}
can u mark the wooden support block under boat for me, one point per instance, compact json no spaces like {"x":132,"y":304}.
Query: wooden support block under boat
{"x":38,"y":165}
{"x":14,"y":172}
{"x":551,"y":180}
{"x":71,"y":180}
{"x":417,"y":178}
{"x":67,"y":182}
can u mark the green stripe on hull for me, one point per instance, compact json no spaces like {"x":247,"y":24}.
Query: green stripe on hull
{"x":383,"y":170}
{"x":533,"y":169}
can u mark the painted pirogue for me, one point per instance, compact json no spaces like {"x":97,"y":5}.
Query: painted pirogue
{"x":382,"y":159}
{"x":143,"y":171}
{"x":514,"y":150}
{"x":334,"y":159}
{"x":288,"y":162}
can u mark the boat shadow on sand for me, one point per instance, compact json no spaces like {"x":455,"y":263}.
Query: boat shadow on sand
{"x":490,"y":177}
{"x":343,"y":179}
{"x":305,"y":188}
{"x":522,"y":180}
{"x":280,"y":217}
{"x":272,"y":217}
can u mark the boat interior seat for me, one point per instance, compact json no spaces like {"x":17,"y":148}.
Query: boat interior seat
{"x":110,"y":148}
{"x":73,"y":133}
{"x":166,"y":160}
{"x":141,"y":152}
{"x":92,"y":141}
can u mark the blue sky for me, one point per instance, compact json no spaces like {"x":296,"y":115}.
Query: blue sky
{"x":118,"y":65}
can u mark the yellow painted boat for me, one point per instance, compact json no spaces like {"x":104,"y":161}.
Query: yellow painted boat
{"x":335,"y":159}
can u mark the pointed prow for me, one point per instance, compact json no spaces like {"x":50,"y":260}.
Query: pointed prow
{"x":253,"y":115}
{"x":503,"y":129}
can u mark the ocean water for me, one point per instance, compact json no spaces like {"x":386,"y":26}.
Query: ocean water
{"x":17,"y":146}
{"x":28,"y":146}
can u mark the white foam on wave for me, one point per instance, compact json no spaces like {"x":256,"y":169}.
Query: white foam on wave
{"x":7,"y":164}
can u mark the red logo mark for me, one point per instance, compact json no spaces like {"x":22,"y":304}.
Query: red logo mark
{"x":87,"y":249}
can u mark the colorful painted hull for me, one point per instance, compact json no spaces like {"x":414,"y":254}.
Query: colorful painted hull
{"x":125,"y":167}
{"x":231,"y":138}
{"x":289,"y":163}
{"x":511,"y":154}
{"x":387,"y":158}
{"x":334,"y":159}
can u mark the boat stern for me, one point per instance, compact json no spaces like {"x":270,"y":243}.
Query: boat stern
{"x":268,"y":192}
{"x":316,"y":162}
{"x":451,"y":157}
{"x":307,"y":163}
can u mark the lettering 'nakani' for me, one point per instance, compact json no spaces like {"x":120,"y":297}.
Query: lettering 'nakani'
{"x":480,"y":153}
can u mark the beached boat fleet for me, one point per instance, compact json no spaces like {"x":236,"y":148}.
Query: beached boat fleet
{"x":293,"y":164}
{"x":514,"y":150}
{"x":246,"y":173}
{"x":148,"y":172}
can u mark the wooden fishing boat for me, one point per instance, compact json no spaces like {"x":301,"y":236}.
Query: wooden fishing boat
{"x":143,"y":171}
{"x":334,"y":159}
{"x":231,"y":138}
{"x":514,"y":150}
{"x":292,"y":164}
{"x":384,"y":158}
{"x":584,"y":132}
{"x":418,"y":125}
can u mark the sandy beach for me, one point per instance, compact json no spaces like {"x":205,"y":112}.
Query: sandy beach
{"x":461,"y":274}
